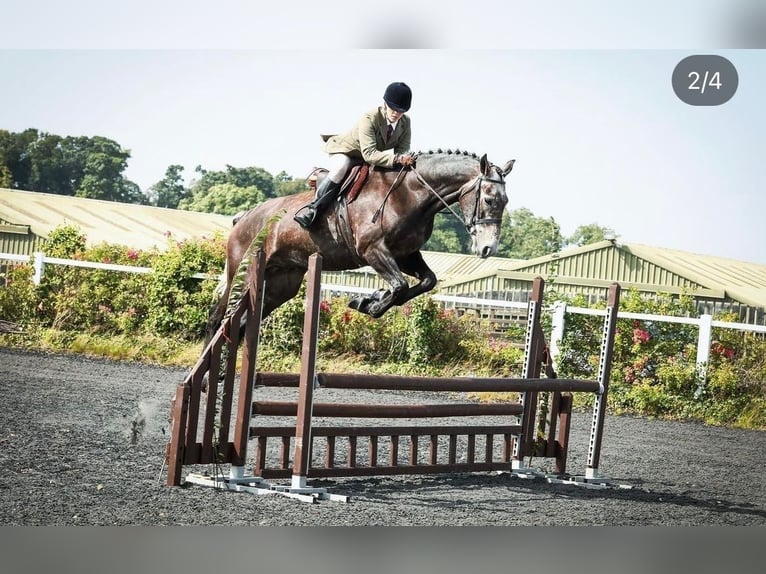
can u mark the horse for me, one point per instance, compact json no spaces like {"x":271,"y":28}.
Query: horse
{"x":384,"y":226}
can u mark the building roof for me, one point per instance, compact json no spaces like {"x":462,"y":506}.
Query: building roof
{"x":138,"y":226}
{"x":740,"y":280}
{"x":646,"y":267}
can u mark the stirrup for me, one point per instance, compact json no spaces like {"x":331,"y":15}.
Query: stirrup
{"x":305,"y":216}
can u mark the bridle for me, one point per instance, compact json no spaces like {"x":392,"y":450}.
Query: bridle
{"x":465,"y":190}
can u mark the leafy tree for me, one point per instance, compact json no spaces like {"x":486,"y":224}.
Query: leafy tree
{"x":15,"y":156}
{"x":449,"y":235}
{"x":225,"y":199}
{"x":286,"y":185}
{"x":169,"y":191}
{"x":102,"y":178}
{"x":48,"y":166}
{"x":6,"y":177}
{"x":82,"y":166}
{"x":587,"y":234}
{"x":240,"y":177}
{"x":525,"y":236}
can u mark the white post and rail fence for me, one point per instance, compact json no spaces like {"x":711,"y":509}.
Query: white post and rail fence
{"x":704,"y":323}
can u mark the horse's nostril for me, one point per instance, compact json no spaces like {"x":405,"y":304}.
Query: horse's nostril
{"x":486,"y":252}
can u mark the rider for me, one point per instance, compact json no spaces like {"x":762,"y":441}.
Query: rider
{"x":368,"y":141}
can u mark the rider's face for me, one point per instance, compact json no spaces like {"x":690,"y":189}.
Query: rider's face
{"x":392,"y":115}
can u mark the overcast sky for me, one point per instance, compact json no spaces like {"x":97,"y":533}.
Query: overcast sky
{"x":598,"y":133}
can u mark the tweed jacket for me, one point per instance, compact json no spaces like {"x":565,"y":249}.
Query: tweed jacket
{"x":367,"y":139}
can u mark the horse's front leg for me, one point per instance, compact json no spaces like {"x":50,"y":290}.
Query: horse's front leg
{"x":381,"y":301}
{"x":415,"y":266}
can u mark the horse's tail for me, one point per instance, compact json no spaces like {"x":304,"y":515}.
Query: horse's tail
{"x":220,"y":288}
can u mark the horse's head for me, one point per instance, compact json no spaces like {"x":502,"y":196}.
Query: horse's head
{"x":483,"y":202}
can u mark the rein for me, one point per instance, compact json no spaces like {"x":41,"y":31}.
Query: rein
{"x":390,"y":189}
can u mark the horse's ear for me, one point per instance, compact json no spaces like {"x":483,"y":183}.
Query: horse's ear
{"x":508,"y":167}
{"x":484,"y":164}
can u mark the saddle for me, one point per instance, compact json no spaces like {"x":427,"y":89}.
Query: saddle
{"x":352,"y":183}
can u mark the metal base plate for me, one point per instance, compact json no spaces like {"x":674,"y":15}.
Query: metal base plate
{"x":575,"y":480}
{"x":255,"y":485}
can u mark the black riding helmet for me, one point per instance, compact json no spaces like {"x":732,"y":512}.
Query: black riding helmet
{"x":398,"y":96}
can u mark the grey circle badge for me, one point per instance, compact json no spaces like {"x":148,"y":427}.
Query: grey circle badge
{"x":705,"y":80}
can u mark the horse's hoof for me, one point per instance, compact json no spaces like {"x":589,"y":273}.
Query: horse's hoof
{"x":360,"y":304}
{"x":380,"y":294}
{"x":376,"y":311}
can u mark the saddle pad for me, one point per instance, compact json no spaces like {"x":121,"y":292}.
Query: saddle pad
{"x":359,"y":179}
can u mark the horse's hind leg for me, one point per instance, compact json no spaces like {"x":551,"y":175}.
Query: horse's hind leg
{"x":282,"y":284}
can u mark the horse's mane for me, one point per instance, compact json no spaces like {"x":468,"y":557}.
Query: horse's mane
{"x":447,"y":152}
{"x":436,"y":162}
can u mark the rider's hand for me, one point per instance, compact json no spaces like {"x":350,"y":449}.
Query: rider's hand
{"x":405,"y":159}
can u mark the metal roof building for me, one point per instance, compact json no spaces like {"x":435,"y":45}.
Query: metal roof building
{"x":27,"y":218}
{"x":717,"y":284}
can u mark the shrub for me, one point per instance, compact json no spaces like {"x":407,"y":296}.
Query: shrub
{"x":18,"y":295}
{"x":177,"y":303}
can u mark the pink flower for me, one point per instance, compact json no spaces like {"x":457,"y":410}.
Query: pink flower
{"x":132,"y":254}
{"x":324,"y":307}
{"x":640,"y":336}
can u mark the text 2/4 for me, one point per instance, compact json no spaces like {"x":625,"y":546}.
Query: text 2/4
{"x":710,"y":80}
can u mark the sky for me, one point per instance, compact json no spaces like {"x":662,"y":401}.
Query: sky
{"x":585,"y":106}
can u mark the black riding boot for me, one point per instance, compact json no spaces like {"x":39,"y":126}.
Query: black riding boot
{"x":326,"y":193}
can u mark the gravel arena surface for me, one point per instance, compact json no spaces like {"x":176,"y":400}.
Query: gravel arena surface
{"x":82,"y":442}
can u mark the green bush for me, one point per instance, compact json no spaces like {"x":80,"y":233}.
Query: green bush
{"x":177,"y":303}
{"x":167,"y":301}
{"x":18,"y":296}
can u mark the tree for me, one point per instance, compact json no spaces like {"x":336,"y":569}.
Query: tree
{"x":449,"y":235}
{"x":102,"y":176}
{"x":6,"y":177}
{"x":14,"y":154}
{"x":82,"y":166}
{"x":587,"y":234}
{"x":224,"y":199}
{"x":525,"y":236}
{"x":286,"y":185}
{"x":169,"y":191}
{"x":239,"y":177}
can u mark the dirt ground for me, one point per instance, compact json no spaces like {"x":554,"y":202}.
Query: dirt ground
{"x":82,"y":442}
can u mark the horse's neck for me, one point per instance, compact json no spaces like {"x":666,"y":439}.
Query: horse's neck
{"x":440,"y":185}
